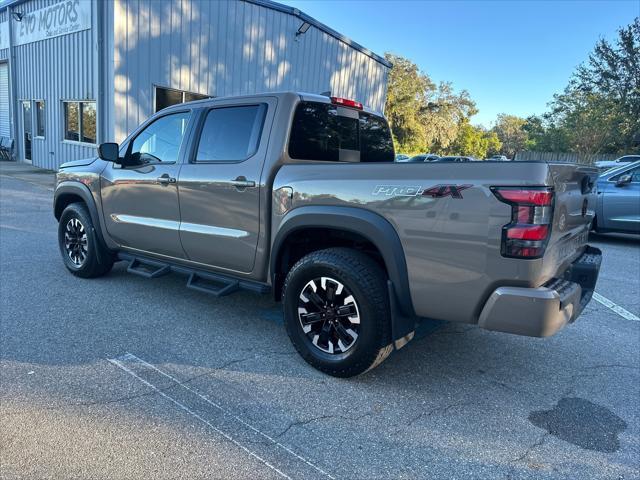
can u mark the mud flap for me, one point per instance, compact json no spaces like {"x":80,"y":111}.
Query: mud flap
{"x":403,"y":327}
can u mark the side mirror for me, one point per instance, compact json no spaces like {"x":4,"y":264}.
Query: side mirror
{"x":109,"y":152}
{"x":623,"y":180}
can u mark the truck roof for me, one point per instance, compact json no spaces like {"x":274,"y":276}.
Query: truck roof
{"x":309,"y":97}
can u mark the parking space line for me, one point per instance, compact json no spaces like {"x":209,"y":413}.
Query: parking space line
{"x":205,"y":398}
{"x":195,"y":415}
{"x":615,"y":307}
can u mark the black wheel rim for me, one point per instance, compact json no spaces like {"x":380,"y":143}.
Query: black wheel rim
{"x":329,"y":315}
{"x":75,"y":242}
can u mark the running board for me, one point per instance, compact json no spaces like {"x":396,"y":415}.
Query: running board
{"x":148,"y":268}
{"x":203,"y":281}
{"x":212,"y":284}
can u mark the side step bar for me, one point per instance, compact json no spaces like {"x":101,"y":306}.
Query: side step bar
{"x":213,"y":285}
{"x":148,"y":269}
{"x":208,"y":282}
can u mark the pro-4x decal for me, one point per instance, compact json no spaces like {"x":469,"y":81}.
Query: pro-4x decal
{"x":437,"y":191}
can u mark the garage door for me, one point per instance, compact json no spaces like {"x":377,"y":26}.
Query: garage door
{"x":4,"y":100}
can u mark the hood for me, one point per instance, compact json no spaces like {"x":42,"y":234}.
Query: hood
{"x":79,"y":163}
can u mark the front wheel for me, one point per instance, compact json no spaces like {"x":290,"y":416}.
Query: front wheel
{"x":81,"y":253}
{"x":337,"y":311}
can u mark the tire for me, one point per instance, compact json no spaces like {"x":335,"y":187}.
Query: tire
{"x":81,"y":252}
{"x":329,"y":343}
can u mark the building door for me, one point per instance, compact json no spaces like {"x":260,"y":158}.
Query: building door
{"x":5,"y":124}
{"x":27,"y":128}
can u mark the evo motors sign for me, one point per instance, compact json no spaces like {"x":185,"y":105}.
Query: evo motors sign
{"x":59,"y":19}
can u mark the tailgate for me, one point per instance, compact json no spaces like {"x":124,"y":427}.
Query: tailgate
{"x":574,"y":210}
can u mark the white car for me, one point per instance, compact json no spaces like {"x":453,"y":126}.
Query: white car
{"x":618,"y":162}
{"x":498,"y":158}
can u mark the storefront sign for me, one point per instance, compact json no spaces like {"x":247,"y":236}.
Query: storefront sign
{"x":59,"y":19}
{"x":4,"y":35}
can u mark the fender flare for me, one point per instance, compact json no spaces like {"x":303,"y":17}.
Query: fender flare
{"x":375,"y":229}
{"x":82,"y":191}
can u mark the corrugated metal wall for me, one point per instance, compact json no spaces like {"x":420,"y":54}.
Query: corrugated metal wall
{"x":56,"y":69}
{"x":228,"y":48}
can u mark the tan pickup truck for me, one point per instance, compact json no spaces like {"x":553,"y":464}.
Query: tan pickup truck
{"x":299,"y":195}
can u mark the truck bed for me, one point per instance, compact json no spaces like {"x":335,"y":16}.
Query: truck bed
{"x":452,"y":234}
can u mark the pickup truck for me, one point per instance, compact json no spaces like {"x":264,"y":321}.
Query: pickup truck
{"x":298,"y":195}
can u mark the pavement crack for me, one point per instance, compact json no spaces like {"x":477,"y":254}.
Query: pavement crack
{"x":538,"y":443}
{"x":307,"y":421}
{"x":428,"y":413}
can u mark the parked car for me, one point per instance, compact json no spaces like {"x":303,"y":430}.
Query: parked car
{"x":259,"y":193}
{"x":457,"y":159}
{"x":499,"y":158}
{"x":618,"y":200}
{"x":401,"y":157}
{"x":423,"y":158}
{"x":607,"y":164}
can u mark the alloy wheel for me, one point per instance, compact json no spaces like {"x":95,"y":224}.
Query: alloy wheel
{"x":329,"y":315}
{"x":75,"y":242}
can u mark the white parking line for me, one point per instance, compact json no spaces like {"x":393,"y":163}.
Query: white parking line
{"x":131,"y":357}
{"x":198,"y":417}
{"x":613,"y":306}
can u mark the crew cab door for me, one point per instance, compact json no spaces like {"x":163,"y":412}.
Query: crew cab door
{"x":621,"y":203}
{"x":219,"y":186}
{"x":140,"y":197}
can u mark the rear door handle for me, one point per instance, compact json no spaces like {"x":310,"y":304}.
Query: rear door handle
{"x":242,"y":182}
{"x":165,"y":179}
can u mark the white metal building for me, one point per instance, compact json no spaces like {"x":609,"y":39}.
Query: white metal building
{"x":74,"y":73}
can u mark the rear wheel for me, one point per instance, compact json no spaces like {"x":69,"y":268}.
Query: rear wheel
{"x":81,"y":252}
{"x":337,"y":311}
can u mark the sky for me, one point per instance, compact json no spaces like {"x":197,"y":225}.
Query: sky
{"x":511,"y":56}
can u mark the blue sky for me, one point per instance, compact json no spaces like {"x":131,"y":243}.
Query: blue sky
{"x":511,"y":56}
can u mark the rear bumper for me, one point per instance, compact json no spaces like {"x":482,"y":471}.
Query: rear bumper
{"x":542,"y":311}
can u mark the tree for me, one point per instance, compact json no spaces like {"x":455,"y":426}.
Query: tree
{"x":406,"y":103}
{"x":599,"y":110}
{"x":447,"y":113}
{"x":474,"y":141}
{"x":611,"y":79}
{"x":512,"y":134}
{"x":545,"y":136}
{"x":424,"y":117}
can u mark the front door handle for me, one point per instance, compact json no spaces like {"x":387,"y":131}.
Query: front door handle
{"x":165,"y":179}
{"x":242,"y":183}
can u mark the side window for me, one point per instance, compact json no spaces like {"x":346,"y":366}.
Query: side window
{"x":635,"y":174}
{"x":321,"y":131}
{"x":160,"y":141}
{"x":376,"y":144}
{"x":231,"y":133}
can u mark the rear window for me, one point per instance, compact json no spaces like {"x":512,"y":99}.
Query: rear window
{"x":332,"y":133}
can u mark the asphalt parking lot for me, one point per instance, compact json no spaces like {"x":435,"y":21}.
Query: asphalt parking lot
{"x":123,"y":377}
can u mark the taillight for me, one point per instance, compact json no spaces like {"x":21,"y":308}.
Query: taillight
{"x":345,"y":102}
{"x":527,"y":234}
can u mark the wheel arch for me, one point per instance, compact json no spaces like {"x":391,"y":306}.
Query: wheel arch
{"x":74,"y":192}
{"x":359,"y":222}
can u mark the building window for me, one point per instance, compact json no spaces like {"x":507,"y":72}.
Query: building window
{"x":40,"y":118}
{"x":165,"y":97}
{"x":80,"y":121}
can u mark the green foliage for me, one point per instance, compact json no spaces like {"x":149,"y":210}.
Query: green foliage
{"x":474,"y":141}
{"x":424,"y":117}
{"x":512,"y":134}
{"x":599,"y":111}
